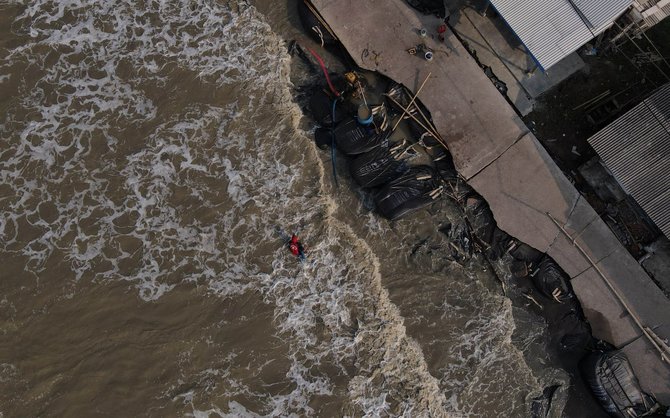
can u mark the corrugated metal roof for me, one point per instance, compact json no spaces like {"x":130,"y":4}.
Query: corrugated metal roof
{"x":636,"y":149}
{"x":601,"y":13}
{"x":553,"y":29}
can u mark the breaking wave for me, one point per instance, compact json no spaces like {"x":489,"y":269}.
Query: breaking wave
{"x":156,"y":143}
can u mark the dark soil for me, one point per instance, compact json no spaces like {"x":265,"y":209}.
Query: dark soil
{"x":564,"y":119}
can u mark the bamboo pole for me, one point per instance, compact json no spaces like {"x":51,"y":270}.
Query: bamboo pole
{"x":429,"y":123}
{"x":437,"y":137}
{"x":592,"y":100}
{"x":615,"y":291}
{"x":411,"y":102}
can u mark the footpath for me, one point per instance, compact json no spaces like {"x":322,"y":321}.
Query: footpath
{"x":531,"y":199}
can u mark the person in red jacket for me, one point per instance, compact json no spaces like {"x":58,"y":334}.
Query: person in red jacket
{"x":296,"y":247}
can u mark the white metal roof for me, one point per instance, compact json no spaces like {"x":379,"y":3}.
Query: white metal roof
{"x":600,"y":14}
{"x":636,"y":149}
{"x":553,"y":29}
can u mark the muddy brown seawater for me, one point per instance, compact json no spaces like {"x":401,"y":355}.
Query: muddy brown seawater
{"x":149,"y":152}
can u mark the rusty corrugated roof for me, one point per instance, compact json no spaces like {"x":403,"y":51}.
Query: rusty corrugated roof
{"x":636,"y":149}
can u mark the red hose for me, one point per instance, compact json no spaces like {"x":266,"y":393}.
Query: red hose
{"x":325,"y":71}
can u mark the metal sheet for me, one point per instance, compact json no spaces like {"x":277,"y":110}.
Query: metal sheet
{"x":659,"y":104}
{"x":600,"y":14}
{"x":553,"y":29}
{"x":657,"y":210}
{"x":636,"y":149}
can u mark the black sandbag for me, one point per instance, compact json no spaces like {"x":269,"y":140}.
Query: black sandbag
{"x":550,"y":280}
{"x":460,"y":236}
{"x":352,"y":138}
{"x":525,"y":252}
{"x":376,"y":167}
{"x":457,"y":188}
{"x":406,"y":193}
{"x":481,"y":219}
{"x":407,"y":207}
{"x":573,"y":342}
{"x":447,"y":172}
{"x":402,"y":99}
{"x":574,"y":331}
{"x":323,"y":137}
{"x":499,"y":244}
{"x":445,"y":165}
{"x":310,"y":22}
{"x":613,"y":383}
{"x":321,"y":107}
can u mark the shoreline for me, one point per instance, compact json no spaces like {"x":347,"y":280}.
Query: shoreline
{"x":529,"y":196}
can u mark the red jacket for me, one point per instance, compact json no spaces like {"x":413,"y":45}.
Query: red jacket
{"x":294,"y":246}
